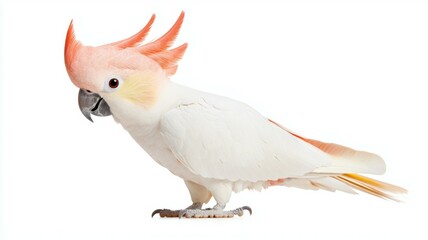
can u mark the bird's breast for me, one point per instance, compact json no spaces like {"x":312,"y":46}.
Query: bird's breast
{"x":150,"y":139}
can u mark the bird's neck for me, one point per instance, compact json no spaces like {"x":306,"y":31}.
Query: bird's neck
{"x":132,"y":115}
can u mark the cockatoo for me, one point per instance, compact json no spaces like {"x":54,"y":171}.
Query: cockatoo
{"x":215,"y":144}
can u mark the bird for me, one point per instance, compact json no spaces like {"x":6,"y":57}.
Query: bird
{"x":217,"y":145}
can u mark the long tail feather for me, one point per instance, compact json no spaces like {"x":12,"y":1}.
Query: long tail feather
{"x":371,"y":186}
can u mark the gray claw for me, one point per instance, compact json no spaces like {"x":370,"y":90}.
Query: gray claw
{"x":182,"y":213}
{"x":248,"y":209}
{"x":156,"y":212}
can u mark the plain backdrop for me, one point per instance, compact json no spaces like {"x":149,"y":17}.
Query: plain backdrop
{"x":353,"y":73}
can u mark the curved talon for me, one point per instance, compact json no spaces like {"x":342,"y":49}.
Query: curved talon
{"x":182,"y":213}
{"x":248,"y":209}
{"x":156,"y":212}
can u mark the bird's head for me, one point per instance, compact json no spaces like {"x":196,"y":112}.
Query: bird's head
{"x":126,"y":70}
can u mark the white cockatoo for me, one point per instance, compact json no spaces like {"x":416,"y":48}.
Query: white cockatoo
{"x":215,"y":144}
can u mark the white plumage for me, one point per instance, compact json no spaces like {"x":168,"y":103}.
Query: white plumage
{"x":216,"y":144}
{"x":221,"y":145}
{"x":219,"y":138}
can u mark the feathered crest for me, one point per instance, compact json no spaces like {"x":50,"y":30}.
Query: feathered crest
{"x":157,"y":50}
{"x":71,"y":47}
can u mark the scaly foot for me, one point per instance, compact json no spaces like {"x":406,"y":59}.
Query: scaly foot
{"x":175,"y":213}
{"x":213,"y":213}
{"x":195,"y":211}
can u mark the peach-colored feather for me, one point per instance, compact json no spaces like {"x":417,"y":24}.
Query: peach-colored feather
{"x":362,"y":183}
{"x":330,"y":148}
{"x":158,"y":49}
{"x":136,"y":39}
{"x":275,"y":182}
{"x":168,"y":59}
{"x":345,"y":158}
{"x":371,"y":186}
{"x":71,"y":47}
{"x":164,"y":42}
{"x":154,"y":55}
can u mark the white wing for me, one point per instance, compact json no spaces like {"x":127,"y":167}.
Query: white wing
{"x":219,"y":138}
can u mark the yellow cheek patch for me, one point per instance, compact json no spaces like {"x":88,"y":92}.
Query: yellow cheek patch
{"x":140,"y":88}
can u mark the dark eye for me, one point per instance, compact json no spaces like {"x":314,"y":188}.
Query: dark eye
{"x":113,"y":83}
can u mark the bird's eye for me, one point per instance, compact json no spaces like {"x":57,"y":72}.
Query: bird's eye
{"x":113,"y":83}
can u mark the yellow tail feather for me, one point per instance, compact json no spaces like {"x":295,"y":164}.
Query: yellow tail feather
{"x":371,"y":186}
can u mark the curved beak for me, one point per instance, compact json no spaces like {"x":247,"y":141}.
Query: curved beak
{"x":92,"y":103}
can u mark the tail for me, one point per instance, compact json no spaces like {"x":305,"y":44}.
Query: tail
{"x":347,"y":182}
{"x":341,"y":174}
{"x":371,"y":186}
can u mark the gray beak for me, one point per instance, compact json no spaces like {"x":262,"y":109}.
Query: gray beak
{"x":92,"y":103}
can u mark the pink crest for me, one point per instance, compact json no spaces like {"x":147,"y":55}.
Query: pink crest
{"x":157,"y":50}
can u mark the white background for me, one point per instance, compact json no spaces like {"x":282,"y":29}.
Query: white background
{"x":354,"y":73}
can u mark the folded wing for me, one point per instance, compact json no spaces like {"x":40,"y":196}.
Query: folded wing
{"x":219,"y":138}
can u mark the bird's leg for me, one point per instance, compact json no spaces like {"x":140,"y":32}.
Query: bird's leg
{"x":175,"y":213}
{"x":200,"y":195}
{"x":216,"y":212}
